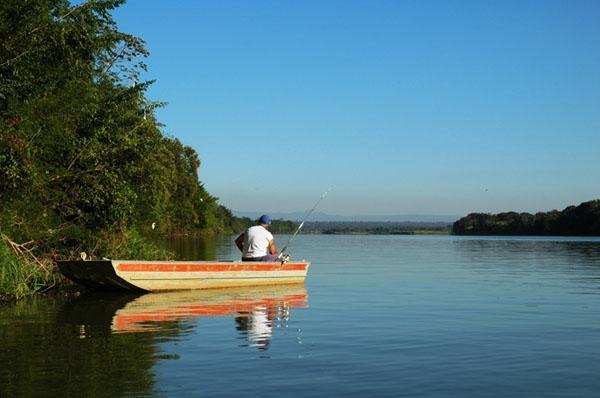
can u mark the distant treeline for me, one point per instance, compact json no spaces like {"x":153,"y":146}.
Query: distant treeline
{"x":582,"y":220}
{"x":277,"y":226}
{"x":376,"y":228}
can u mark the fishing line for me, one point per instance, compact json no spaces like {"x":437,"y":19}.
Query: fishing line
{"x":303,"y":221}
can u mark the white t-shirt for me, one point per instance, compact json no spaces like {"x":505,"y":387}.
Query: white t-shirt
{"x":256,"y":241}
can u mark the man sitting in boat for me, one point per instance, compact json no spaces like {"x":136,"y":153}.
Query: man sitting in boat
{"x":256,"y":243}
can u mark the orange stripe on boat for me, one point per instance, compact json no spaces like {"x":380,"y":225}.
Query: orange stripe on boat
{"x":178,"y":267}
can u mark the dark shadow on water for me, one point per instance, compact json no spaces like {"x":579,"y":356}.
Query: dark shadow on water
{"x":62,"y":346}
{"x":94,"y":310}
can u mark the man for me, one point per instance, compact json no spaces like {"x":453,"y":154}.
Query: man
{"x":256,"y":243}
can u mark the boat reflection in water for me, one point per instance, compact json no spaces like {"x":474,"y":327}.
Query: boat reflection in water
{"x":257,"y":311}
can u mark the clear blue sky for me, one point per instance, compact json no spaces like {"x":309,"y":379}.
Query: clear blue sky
{"x":404,"y":107}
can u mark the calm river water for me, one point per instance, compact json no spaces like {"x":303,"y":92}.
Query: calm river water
{"x":384,"y":316}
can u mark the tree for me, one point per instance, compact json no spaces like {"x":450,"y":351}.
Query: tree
{"x":80,"y":149}
{"x":581,"y":220}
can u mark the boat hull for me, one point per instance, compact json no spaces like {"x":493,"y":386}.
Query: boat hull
{"x":180,"y":275}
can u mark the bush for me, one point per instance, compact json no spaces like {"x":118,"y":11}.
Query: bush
{"x":19,"y":276}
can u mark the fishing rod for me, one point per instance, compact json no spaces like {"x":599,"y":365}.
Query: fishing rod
{"x":303,"y":221}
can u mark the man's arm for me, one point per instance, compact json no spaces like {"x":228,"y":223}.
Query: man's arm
{"x":239,"y":242}
{"x":272,"y":248}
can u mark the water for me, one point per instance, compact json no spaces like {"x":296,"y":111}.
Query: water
{"x":385,"y":316}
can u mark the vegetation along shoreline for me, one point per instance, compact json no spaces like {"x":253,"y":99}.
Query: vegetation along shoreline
{"x":581,"y":220}
{"x":84,"y":165}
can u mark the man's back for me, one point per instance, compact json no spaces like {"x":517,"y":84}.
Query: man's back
{"x":256,"y":242}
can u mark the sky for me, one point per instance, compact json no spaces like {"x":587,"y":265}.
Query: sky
{"x":402,"y":107}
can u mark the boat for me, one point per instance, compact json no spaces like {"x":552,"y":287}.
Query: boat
{"x":154,"y":276}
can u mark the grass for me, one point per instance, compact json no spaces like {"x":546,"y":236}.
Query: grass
{"x":20,"y":276}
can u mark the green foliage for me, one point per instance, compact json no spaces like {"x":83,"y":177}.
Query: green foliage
{"x":283,"y":227}
{"x":81,"y":153}
{"x":130,"y":244}
{"x":277,"y":226}
{"x":582,"y":220}
{"x":20,"y":277}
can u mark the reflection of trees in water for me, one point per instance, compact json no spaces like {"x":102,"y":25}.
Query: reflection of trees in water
{"x":544,"y":254}
{"x":64,"y":346}
{"x":588,"y":249}
{"x":256,"y":326}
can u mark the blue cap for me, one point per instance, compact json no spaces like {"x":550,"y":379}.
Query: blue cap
{"x":264,"y":219}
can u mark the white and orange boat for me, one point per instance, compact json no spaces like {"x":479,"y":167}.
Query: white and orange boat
{"x":181,"y":275}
